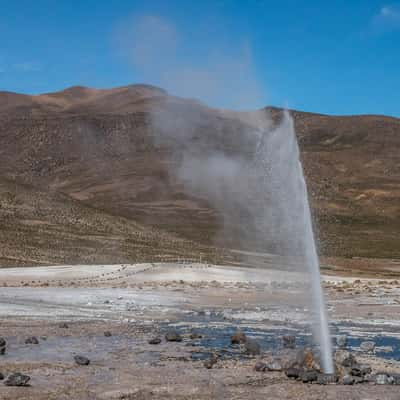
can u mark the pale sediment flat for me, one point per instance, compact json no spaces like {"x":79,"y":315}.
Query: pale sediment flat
{"x":138,"y":302}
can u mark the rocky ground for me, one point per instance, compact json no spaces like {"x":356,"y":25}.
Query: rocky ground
{"x":192,"y":331}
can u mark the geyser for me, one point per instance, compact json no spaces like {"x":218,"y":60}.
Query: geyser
{"x":258,"y":187}
{"x":278,"y":159}
{"x":248,"y":168}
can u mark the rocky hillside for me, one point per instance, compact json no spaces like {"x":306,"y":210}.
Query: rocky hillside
{"x":95,"y":152}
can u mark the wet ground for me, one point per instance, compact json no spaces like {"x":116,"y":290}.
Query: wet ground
{"x":142,"y":302}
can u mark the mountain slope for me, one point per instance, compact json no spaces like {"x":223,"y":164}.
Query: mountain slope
{"x":97,"y":148}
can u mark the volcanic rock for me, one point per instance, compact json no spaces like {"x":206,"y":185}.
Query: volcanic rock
{"x":3,"y":345}
{"x":32,"y":340}
{"x":155,"y":340}
{"x":307,"y":360}
{"x":210,"y":362}
{"x":252,"y":347}
{"x":347,"y":380}
{"x":367,"y":346}
{"x":293,"y":372}
{"x":395,"y":379}
{"x":238,"y":337}
{"x":382,"y":379}
{"x":327,"y":379}
{"x":173,"y":336}
{"x":81,"y":360}
{"x":289,"y":341}
{"x":341,"y":341}
{"x":274,"y":365}
{"x":17,"y":379}
{"x":1,"y":376}
{"x":365,"y":369}
{"x":107,"y":334}
{"x":260,"y":366}
{"x":195,"y":335}
{"x":308,"y":376}
{"x":350,"y":362}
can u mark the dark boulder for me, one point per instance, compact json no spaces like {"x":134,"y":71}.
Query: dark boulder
{"x":238,"y":337}
{"x":274,"y":365}
{"x":3,"y":345}
{"x":367,"y":346}
{"x":210,"y":362}
{"x":173,"y":336}
{"x":350,"y":362}
{"x":252,"y":347}
{"x":155,"y":340}
{"x":260,"y":366}
{"x":289,"y":341}
{"x":32,"y":340}
{"x":293,"y":372}
{"x":81,"y":360}
{"x":308,"y":376}
{"x":17,"y":379}
{"x":341,"y":341}
{"x":195,"y":335}
{"x":347,"y":380}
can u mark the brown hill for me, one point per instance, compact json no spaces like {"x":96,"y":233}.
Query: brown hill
{"x":96,"y":149}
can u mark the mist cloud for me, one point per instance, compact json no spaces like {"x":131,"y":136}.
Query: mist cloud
{"x":219,"y":76}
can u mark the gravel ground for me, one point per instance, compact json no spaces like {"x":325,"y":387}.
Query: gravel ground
{"x":69,"y":309}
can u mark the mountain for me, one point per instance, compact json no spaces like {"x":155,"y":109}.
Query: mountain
{"x":91,"y":154}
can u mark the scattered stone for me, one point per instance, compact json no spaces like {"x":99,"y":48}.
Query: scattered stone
{"x":210,"y":362}
{"x":395,"y":378}
{"x":365,"y":369}
{"x":308,"y":376}
{"x":341,"y":341}
{"x":173,"y":336}
{"x":327,"y":379}
{"x":63,"y":325}
{"x":260,"y":366}
{"x":367,"y":346}
{"x":32,"y":340}
{"x":81,"y":360}
{"x":3,"y":345}
{"x":349,"y":361}
{"x":195,"y":335}
{"x":293,"y":373}
{"x":17,"y":379}
{"x":252,"y":347}
{"x":347,"y":380}
{"x":307,"y":360}
{"x":238,"y":337}
{"x":382,"y":379}
{"x":155,"y":340}
{"x":274,"y":365}
{"x":107,"y":334}
{"x":289,"y":341}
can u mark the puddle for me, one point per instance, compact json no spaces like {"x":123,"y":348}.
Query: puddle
{"x":61,"y":349}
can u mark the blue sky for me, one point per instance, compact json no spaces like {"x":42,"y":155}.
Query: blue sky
{"x":337,"y":57}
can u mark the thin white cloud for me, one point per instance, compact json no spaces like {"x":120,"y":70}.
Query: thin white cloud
{"x":388,"y":18}
{"x":27,"y":66}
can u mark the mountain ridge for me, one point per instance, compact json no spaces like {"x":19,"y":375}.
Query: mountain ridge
{"x":96,"y":146}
